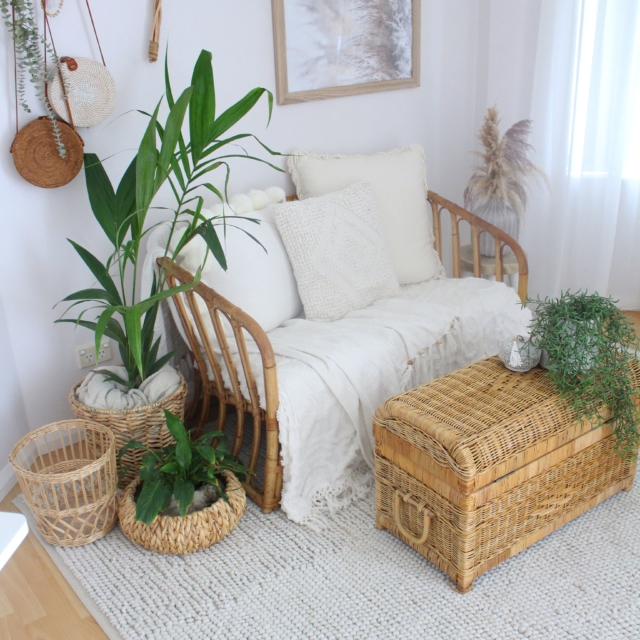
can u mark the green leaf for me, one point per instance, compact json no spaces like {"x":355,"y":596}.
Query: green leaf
{"x":202,"y":108}
{"x":183,"y":491}
{"x":170,"y":140}
{"x":148,"y":469}
{"x":146,"y":168}
{"x":210,"y":236}
{"x":126,"y":201}
{"x":97,"y":269}
{"x":144,"y":305}
{"x":132,"y":318}
{"x":179,"y":433}
{"x":154,"y":367}
{"x":101,"y":325}
{"x":132,"y":444}
{"x":236,"y":112}
{"x":117,"y":335}
{"x":101,"y":196}
{"x":170,"y":468}
{"x":152,"y":499}
{"x":92,"y":294}
{"x":167,"y":82}
{"x":207,"y":452}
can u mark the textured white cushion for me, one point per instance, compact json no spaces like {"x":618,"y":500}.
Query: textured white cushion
{"x":399,"y":182}
{"x":338,"y":251}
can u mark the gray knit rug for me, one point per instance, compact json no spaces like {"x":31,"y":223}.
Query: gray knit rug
{"x":274,"y":579}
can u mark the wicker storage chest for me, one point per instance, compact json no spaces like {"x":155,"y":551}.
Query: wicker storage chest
{"x":477,"y":465}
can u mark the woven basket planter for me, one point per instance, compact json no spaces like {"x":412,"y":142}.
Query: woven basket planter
{"x":67,"y":473}
{"x":145,"y":424}
{"x":177,"y":535}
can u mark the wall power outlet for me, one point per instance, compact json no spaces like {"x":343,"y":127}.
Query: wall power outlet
{"x":86,"y":355}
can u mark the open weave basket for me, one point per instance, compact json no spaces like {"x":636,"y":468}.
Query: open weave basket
{"x":177,"y":535}
{"x":145,"y":424}
{"x":67,"y":473}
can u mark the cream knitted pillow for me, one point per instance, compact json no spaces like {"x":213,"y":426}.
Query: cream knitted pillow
{"x":399,"y":182}
{"x":338,"y":252}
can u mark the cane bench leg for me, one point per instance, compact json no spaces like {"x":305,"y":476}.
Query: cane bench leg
{"x":380,"y":522}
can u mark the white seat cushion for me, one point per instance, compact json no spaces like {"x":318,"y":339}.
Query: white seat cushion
{"x":399,"y":182}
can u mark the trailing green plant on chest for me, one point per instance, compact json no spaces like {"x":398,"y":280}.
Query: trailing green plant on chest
{"x":183,"y":164}
{"x":590,"y":344}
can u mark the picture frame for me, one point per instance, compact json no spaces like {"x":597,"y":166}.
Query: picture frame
{"x":324,"y":50}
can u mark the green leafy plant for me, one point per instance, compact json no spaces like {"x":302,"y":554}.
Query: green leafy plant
{"x":178,"y":470}
{"x":588,"y":339}
{"x":184,"y":164}
{"x":19,"y":19}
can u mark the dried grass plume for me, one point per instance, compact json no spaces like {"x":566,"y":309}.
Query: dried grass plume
{"x":506,"y":169}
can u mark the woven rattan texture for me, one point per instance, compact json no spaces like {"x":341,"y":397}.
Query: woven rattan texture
{"x":176,"y":535}
{"x":67,"y":473}
{"x":36,"y":156}
{"x":144,"y":424}
{"x":464,"y":540}
{"x":91,"y":91}
{"x":479,"y":416}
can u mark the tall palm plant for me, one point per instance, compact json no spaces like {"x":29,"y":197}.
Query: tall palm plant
{"x":122,"y":213}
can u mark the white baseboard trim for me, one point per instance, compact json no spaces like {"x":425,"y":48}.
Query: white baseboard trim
{"x":7,"y":480}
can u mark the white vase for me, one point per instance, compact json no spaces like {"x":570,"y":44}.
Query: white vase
{"x":500,"y":215}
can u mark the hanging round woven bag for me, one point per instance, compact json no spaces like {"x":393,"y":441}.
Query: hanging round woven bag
{"x":91,"y":91}
{"x":37,"y":158}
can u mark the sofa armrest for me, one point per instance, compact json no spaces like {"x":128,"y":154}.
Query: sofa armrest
{"x":201,"y":344}
{"x":478,"y":226}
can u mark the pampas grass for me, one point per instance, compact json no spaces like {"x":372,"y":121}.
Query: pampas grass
{"x":506,"y":170}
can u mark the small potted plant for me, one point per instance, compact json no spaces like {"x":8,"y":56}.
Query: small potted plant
{"x":187,"y":496}
{"x":589,"y":347}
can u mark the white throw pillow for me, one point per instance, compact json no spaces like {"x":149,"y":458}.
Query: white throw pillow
{"x":261,"y":284}
{"x":338,"y":251}
{"x":399,"y":182}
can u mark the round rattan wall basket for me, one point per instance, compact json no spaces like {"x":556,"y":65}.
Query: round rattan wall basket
{"x":90,"y":88}
{"x":177,"y":535}
{"x":36,"y":156}
{"x":67,"y":473}
{"x":145,"y":424}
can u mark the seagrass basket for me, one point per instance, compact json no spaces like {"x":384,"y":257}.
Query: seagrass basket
{"x":67,"y":473}
{"x":144,"y":424}
{"x":177,"y":535}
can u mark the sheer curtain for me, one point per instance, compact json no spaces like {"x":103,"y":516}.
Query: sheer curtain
{"x":586,"y":107}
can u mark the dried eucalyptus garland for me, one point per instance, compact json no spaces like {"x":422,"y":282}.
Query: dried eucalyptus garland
{"x":590,"y":342}
{"x":19,"y":18}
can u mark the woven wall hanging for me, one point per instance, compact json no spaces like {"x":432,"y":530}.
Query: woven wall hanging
{"x":90,"y":91}
{"x":36,"y":156}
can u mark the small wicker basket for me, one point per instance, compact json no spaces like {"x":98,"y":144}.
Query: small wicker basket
{"x":144,"y":424}
{"x":67,"y":473}
{"x":177,"y":535}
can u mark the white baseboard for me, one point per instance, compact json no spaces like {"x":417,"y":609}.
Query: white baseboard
{"x":7,"y":480}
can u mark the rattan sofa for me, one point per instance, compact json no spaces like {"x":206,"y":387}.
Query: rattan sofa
{"x":211,"y":392}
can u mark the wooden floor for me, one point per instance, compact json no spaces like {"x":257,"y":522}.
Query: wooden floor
{"x":35,"y":600}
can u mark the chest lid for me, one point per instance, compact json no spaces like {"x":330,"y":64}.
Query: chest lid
{"x":481,"y":422}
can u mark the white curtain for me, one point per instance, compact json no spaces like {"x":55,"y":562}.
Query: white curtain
{"x":585,"y":234}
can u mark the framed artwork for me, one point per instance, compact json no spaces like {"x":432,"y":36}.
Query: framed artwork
{"x":332,"y":48}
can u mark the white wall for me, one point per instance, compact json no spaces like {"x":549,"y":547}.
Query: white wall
{"x":462,"y":40}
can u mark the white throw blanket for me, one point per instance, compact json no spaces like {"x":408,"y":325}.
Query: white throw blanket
{"x":96,"y":391}
{"x":333,"y":376}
